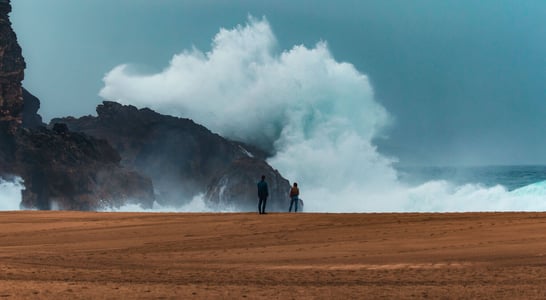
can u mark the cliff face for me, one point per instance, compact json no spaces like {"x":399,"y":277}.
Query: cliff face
{"x":69,"y":170}
{"x":12,"y":66}
{"x":60,"y":169}
{"x":182,"y":158}
{"x":30,"y":117}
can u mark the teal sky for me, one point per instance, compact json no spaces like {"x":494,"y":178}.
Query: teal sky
{"x":464,"y":80}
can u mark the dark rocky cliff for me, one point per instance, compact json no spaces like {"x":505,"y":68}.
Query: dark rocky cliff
{"x":60,"y":169}
{"x":183,"y":159}
{"x":122,"y":155}
{"x":30,"y":117}
{"x":69,"y":170}
{"x":12,"y":66}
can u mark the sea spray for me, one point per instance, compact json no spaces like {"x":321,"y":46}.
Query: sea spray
{"x":10,"y":194}
{"x":316,"y":115}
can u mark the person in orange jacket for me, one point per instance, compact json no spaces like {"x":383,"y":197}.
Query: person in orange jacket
{"x":294,"y":193}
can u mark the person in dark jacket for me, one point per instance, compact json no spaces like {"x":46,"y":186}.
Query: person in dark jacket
{"x":263,"y":192}
{"x":294,"y":193}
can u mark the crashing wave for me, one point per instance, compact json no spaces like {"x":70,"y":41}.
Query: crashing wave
{"x":10,"y":194}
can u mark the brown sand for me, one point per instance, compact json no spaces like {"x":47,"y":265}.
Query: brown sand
{"x":76,"y":255}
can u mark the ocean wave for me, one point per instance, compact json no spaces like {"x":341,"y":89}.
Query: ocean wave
{"x":10,"y":194}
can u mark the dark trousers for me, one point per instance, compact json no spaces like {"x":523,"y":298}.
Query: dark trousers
{"x":261,"y":204}
{"x":294,"y":200}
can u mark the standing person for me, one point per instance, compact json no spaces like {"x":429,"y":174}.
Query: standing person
{"x":263,"y":192}
{"x":294,"y":193}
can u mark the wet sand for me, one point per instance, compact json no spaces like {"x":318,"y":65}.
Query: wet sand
{"x":77,"y":255}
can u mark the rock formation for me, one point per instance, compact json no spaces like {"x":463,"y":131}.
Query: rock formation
{"x":12,"y":66}
{"x":60,"y":169}
{"x":30,"y":117}
{"x":69,"y":170}
{"x":109,"y":160}
{"x":235,"y":187}
{"x":182,"y":158}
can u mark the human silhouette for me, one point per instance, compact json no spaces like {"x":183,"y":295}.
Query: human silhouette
{"x":263,"y":192}
{"x":294,"y":193}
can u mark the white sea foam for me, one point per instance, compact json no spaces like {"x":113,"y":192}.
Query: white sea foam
{"x":10,"y":194}
{"x":317,"y":115}
{"x":442,"y":196}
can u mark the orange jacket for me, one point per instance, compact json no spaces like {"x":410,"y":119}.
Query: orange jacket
{"x":294,"y":191}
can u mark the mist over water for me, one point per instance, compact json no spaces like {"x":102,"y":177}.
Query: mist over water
{"x":317,"y":115}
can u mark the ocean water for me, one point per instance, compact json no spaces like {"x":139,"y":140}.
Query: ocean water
{"x":10,"y":193}
{"x":510,"y":177}
{"x":418,"y":189}
{"x":467,"y":189}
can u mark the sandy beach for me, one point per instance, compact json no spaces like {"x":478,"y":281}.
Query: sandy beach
{"x":86,"y":255}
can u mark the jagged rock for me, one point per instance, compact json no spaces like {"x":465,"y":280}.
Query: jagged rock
{"x":183,"y":159}
{"x":31,"y":105}
{"x":69,"y":170}
{"x":12,"y":66}
{"x":60,"y":169}
{"x":65,"y":169}
{"x":236,"y":186}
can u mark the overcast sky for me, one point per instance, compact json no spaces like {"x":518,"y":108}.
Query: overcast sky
{"x":465,"y":81}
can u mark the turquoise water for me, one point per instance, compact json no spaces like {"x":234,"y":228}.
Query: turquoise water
{"x":511,"y":177}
